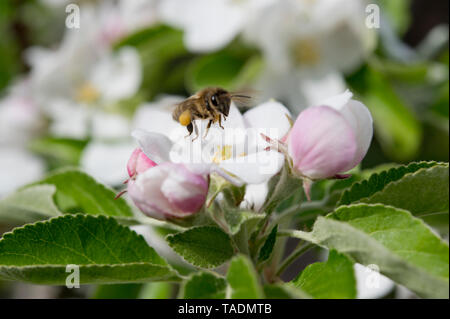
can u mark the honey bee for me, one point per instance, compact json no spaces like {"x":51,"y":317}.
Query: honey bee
{"x":208,"y":104}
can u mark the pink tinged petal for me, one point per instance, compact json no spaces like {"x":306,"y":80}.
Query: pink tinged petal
{"x":156,"y":146}
{"x":146,"y":193}
{"x":185,"y":190}
{"x":169,"y":191}
{"x":359,"y":117}
{"x":138,"y":163}
{"x":321,"y":143}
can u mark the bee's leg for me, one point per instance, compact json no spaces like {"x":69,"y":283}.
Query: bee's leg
{"x":190,"y":128}
{"x":220,"y":122}
{"x":207,"y":128}
{"x":196,"y":132}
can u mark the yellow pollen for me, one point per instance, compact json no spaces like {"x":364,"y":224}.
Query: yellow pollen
{"x":223,"y":153}
{"x":185,"y":118}
{"x":306,"y":51}
{"x":87,"y":93}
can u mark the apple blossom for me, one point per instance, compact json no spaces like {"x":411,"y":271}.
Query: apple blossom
{"x":307,"y":45}
{"x":237,"y":151}
{"x":209,"y":24}
{"x":329,"y":139}
{"x":169,"y":190}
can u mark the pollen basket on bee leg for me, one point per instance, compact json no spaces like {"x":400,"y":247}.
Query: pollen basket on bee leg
{"x":185,"y":118}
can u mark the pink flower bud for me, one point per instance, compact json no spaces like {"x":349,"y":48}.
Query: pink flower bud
{"x":330,"y":139}
{"x":169,"y":190}
{"x":138,"y":163}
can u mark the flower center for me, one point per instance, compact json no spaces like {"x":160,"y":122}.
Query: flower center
{"x":306,"y":52}
{"x":87,"y":93}
{"x":222,"y":153}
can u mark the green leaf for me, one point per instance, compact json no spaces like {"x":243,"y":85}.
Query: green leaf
{"x":105,"y":252}
{"x":378,"y":182}
{"x":243,"y":279}
{"x":281,"y":186}
{"x":233,"y":195}
{"x":397,"y":128}
{"x":280,"y":291}
{"x":422,"y":193}
{"x":235,"y":218}
{"x":29,"y":205}
{"x":402,"y":246}
{"x":77,"y":192}
{"x":117,"y":291}
{"x":333,"y":279}
{"x":204,"y":285}
{"x":156,"y":290}
{"x":204,"y":246}
{"x":267,"y":248}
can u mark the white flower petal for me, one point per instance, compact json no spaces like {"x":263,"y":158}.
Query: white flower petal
{"x":109,"y":126}
{"x":359,"y":117}
{"x":69,"y":119}
{"x":338,"y":101}
{"x":154,"y":119}
{"x":118,"y":76}
{"x":156,"y":146}
{"x":17,"y":168}
{"x":316,"y":87}
{"x":255,"y":168}
{"x":255,"y":195}
{"x":107,"y":162}
{"x":371,"y":284}
{"x":271,"y":114}
{"x":208,"y":24}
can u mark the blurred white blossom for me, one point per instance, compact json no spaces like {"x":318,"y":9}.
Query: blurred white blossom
{"x":308,"y":45}
{"x":209,"y":25}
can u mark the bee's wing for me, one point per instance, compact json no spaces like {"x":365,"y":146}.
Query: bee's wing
{"x":246,"y":98}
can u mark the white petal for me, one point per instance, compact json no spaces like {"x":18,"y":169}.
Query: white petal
{"x":109,"y":126}
{"x":118,"y":76}
{"x":152,"y":118}
{"x":69,"y":119}
{"x":208,"y":25}
{"x":270,"y":119}
{"x":107,"y":162}
{"x":359,"y":118}
{"x":18,"y":168}
{"x":371,"y":284}
{"x":271,"y":114}
{"x":156,"y":146}
{"x":255,"y":195}
{"x":255,"y":168}
{"x":337,"y":102}
{"x":321,"y":85}
{"x":19,"y":119}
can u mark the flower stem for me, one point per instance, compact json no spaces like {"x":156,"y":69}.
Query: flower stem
{"x":241,"y":240}
{"x":297,"y":253}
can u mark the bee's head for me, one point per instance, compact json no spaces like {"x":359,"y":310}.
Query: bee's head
{"x":220,"y":99}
